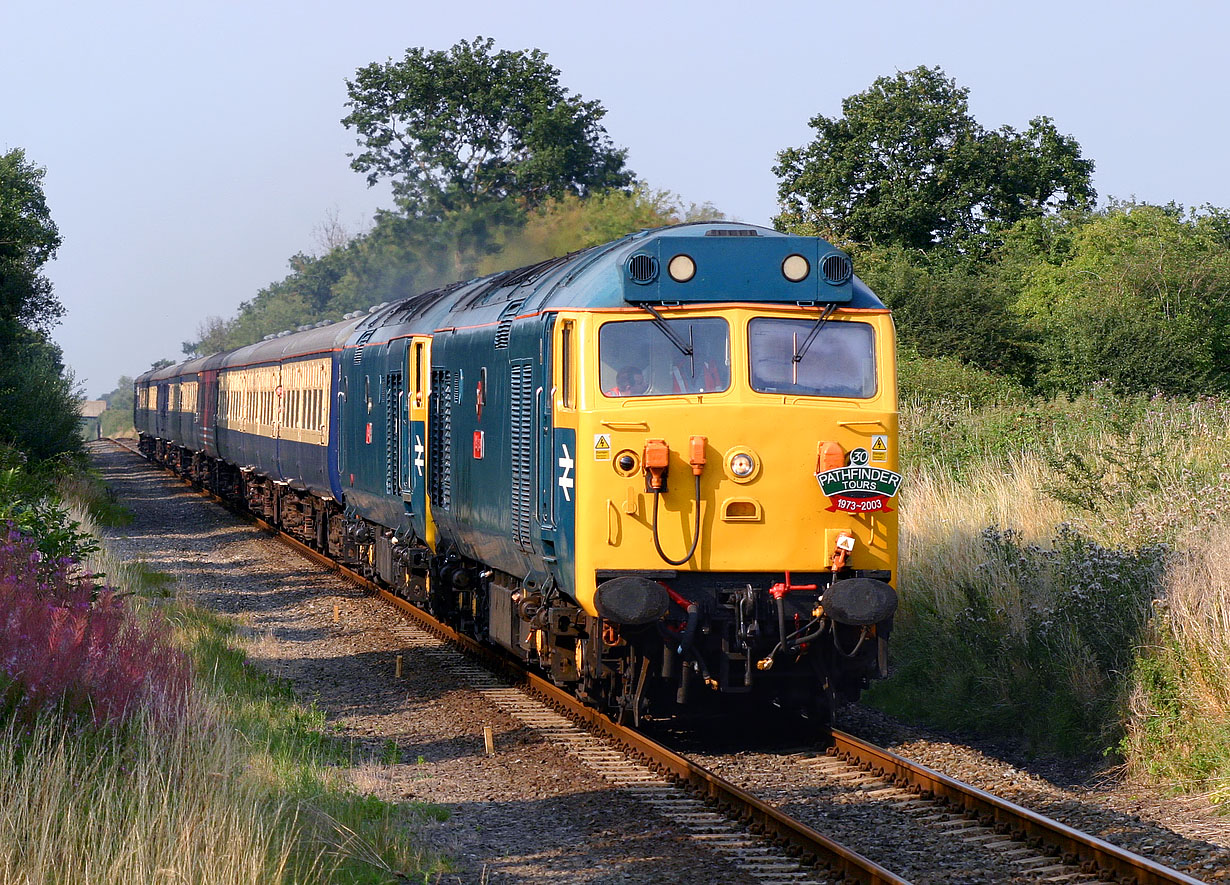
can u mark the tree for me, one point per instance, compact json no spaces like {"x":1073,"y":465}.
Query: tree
{"x":38,"y":397}
{"x":469,"y":129}
{"x":117,"y":419}
{"x":28,"y":240}
{"x":907,"y":165}
{"x":1138,"y":295}
{"x":961,"y":312}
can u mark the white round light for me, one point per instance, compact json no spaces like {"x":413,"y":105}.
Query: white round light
{"x":681,"y":268}
{"x":795,"y":268}
{"x":742,"y":465}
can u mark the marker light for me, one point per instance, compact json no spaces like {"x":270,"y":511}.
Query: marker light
{"x":681,"y":268}
{"x":795,"y":268}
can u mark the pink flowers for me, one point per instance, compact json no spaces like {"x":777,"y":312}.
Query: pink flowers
{"x":69,"y":646}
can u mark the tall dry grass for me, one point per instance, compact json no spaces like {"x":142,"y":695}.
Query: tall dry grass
{"x":164,"y":804}
{"x":243,"y":785}
{"x":943,"y":514}
{"x":1178,"y":725}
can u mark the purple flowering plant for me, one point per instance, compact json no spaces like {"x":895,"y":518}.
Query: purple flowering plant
{"x":69,"y":646}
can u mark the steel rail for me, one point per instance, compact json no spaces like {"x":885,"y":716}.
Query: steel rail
{"x":810,"y":846}
{"x":1109,"y":859}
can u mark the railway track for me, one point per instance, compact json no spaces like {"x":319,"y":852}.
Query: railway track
{"x":766,"y":843}
{"x":1045,"y":846}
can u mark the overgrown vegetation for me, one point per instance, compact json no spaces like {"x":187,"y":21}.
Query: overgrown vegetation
{"x":1061,"y":575}
{"x":119,"y":765}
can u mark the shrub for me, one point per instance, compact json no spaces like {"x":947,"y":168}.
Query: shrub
{"x":942,"y":379}
{"x":69,"y":646}
{"x":1037,"y":641}
{"x":29,"y":503}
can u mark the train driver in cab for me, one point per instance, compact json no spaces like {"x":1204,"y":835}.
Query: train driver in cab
{"x":629,"y":381}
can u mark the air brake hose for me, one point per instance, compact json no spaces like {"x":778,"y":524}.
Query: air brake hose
{"x":657,"y":494}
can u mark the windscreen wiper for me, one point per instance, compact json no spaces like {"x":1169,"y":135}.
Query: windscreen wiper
{"x":815,"y":330}
{"x":684,"y":347}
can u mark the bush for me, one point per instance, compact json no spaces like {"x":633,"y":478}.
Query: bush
{"x":29,"y":503}
{"x":926,"y":381}
{"x":1039,"y":642}
{"x":38,"y":397}
{"x":69,"y":646}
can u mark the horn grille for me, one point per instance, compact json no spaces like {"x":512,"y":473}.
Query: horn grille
{"x":836,"y":269}
{"x":643,"y":268}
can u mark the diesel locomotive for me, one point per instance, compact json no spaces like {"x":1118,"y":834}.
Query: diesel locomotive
{"x":662,"y":470}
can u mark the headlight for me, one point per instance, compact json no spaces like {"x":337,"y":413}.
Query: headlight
{"x":742,"y":465}
{"x":796,"y":268}
{"x":681,"y":268}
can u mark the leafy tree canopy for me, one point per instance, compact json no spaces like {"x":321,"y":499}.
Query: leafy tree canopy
{"x":1138,"y":295}
{"x":961,"y":313}
{"x":471,"y":127}
{"x":28,"y":240}
{"x":907,"y":165}
{"x":38,"y":397}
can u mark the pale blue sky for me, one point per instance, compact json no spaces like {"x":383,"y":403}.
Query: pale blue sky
{"x":192,"y":149}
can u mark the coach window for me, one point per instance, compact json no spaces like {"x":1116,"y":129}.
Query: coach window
{"x":838,"y":360}
{"x":367,"y":391}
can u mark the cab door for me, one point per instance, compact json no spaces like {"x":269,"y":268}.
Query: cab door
{"x":554,"y":470}
{"x":414,"y":438}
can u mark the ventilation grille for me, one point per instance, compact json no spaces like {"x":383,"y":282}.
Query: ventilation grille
{"x":521,"y":437}
{"x":440,"y":451}
{"x":731,"y":233}
{"x":392,"y":435}
{"x":643,"y":268}
{"x":503,"y":329}
{"x":836,"y":269}
{"x":362,"y":343}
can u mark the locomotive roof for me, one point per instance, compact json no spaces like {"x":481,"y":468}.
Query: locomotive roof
{"x":733,"y":262}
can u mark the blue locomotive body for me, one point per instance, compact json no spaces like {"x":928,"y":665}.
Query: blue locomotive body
{"x":475,"y":449}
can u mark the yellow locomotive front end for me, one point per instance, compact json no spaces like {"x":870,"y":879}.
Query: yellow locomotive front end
{"x":735,"y":482}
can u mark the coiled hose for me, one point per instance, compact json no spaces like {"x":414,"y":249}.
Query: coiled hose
{"x":657,"y":494}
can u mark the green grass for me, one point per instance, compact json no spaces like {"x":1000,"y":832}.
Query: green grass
{"x":298,"y":754}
